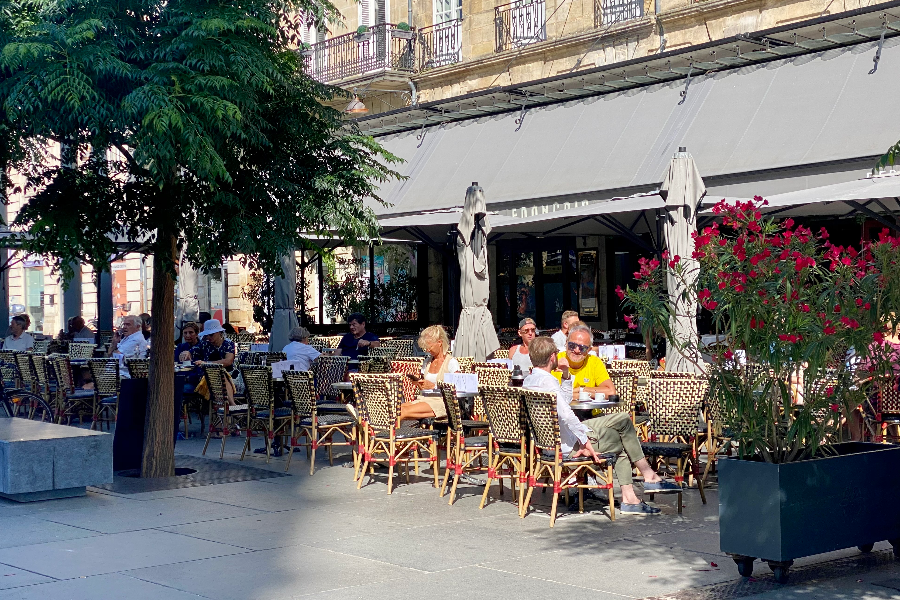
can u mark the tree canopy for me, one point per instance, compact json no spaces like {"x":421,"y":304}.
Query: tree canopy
{"x":183,"y":125}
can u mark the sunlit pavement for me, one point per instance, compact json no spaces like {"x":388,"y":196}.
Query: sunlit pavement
{"x":318,"y":536}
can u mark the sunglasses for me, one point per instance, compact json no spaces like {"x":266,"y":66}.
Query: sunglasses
{"x":529,"y":330}
{"x":580,"y":347}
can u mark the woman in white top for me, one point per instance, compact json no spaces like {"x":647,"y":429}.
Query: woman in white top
{"x":434,"y":341}
{"x":299,"y":349}
{"x":519,"y":354}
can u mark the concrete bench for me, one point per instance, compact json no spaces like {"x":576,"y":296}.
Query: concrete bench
{"x":41,"y":461}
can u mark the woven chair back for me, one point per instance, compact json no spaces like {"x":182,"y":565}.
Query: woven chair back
{"x":81,"y":349}
{"x":641,"y":367}
{"x":328,"y":370}
{"x":889,"y":397}
{"x":301,"y":392}
{"x":267,"y":358}
{"x":62,"y":369}
{"x":672,"y":375}
{"x":404,"y":367}
{"x":41,"y":369}
{"x":674,"y":405}
{"x":542,"y":417}
{"x":138,"y":368}
{"x":376,"y":365}
{"x":381,"y":395}
{"x":26,"y":368}
{"x":243,"y":337}
{"x":502,"y":352}
{"x":258,"y":386}
{"x":466,"y":364}
{"x":105,"y":373}
{"x":492,"y":375}
{"x":9,"y":369}
{"x":505,"y":412}
{"x":106,"y":336}
{"x":454,"y":415}
{"x":400,"y":347}
{"x":389,"y":353}
{"x":41,"y":346}
{"x":215,"y":381}
{"x":625,"y":381}
{"x":242,"y":347}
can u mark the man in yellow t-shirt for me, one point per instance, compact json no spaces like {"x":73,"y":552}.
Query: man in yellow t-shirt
{"x":588,"y":372}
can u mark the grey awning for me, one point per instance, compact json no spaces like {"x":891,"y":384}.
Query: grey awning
{"x":798,"y":111}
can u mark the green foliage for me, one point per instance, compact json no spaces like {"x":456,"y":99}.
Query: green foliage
{"x":792,"y":305}
{"x":362,"y":29}
{"x":392,"y":298}
{"x":193,"y":118}
{"x":888,"y":159}
{"x":403,"y":26}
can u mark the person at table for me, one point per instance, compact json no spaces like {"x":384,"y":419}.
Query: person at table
{"x":17,"y":338}
{"x":79,"y":330}
{"x":587,"y":371}
{"x":130,"y":343}
{"x":190,"y":336}
{"x":519,"y":354}
{"x":434,"y":342}
{"x":214,"y":347}
{"x":299,"y":349}
{"x":609,"y":434}
{"x":569,"y":318}
{"x":145,"y":325}
{"x":358,"y":341}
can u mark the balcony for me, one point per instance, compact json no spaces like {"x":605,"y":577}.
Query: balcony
{"x":608,"y":12}
{"x":519,"y":23}
{"x":383,"y":48}
{"x":440,"y":44}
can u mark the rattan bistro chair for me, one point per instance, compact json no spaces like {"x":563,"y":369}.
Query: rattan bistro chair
{"x":328,"y":370}
{"x":386,"y":439}
{"x":26,"y":372}
{"x":105,"y":373}
{"x":466,"y":364}
{"x":72,"y":401}
{"x":81,"y":349}
{"x":507,"y":450}
{"x":403,"y":347}
{"x":674,"y":407}
{"x":548,"y":462}
{"x":222,"y":417}
{"x":318,"y":429}
{"x":138,"y":368}
{"x":462,"y":451}
{"x":408,"y":367}
{"x":262,"y":415}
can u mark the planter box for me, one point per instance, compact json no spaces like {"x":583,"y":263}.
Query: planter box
{"x":782,"y":512}
{"x":403,"y":35}
{"x":362,"y":37}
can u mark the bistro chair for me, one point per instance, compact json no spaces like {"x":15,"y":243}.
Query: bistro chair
{"x":41,"y":346}
{"x":267,"y":358}
{"x":401,"y":347}
{"x":105,"y":373}
{"x":328,"y":370}
{"x":548,"y":462}
{"x":492,"y":374}
{"x":262,"y":415}
{"x":318,"y":429}
{"x":222,"y":417}
{"x":501,"y":352}
{"x":26,"y":372}
{"x":374,"y":364}
{"x":674,"y":408}
{"x":462,"y":451}
{"x":386,"y":439}
{"x":242,"y":347}
{"x":713,"y":433}
{"x":466,"y":364}
{"x":70,"y":399}
{"x":9,"y":370}
{"x":405,"y":367}
{"x":507,"y":451}
{"x":46,"y":382}
{"x":138,"y":368}
{"x":882,"y":417}
{"x":81,"y":349}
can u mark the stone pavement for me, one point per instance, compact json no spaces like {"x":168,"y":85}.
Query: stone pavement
{"x":318,"y":537}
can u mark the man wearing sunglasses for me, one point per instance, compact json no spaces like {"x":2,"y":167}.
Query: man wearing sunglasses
{"x":587,"y":372}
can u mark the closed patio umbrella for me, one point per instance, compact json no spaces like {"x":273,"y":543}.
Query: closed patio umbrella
{"x":682,"y":189}
{"x":476,"y":335}
{"x":285,"y":317}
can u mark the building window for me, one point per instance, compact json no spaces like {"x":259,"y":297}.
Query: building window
{"x":34,"y":297}
{"x":447,"y":10}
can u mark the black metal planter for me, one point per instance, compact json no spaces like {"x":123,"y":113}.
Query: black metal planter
{"x":782,"y":512}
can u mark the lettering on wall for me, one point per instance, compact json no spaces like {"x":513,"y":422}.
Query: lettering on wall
{"x":541,"y":209}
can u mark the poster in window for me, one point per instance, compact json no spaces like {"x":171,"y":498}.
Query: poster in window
{"x":587,"y":282}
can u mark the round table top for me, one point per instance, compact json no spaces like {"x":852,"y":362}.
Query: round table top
{"x":594,"y":404}
{"x":342,"y":385}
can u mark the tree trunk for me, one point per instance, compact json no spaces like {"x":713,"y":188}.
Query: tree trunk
{"x":159,"y":428}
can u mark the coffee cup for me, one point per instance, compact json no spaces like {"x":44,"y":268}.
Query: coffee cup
{"x":600,"y":397}
{"x":584,"y":396}
{"x":185,"y":363}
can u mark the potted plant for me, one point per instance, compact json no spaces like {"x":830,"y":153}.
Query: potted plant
{"x":403,"y":31}
{"x":363,"y":34}
{"x":305,"y":50}
{"x":804,"y":323}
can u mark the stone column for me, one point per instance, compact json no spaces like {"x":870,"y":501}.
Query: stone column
{"x":104,"y":301}
{"x":71,"y":297}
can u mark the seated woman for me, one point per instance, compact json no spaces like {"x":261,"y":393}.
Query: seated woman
{"x":215,"y":348}
{"x":190,"y":335}
{"x":299,"y":349}
{"x":435,"y":342}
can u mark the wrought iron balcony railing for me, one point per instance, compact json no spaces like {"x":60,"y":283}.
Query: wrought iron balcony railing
{"x":519,"y":23}
{"x":608,"y":12}
{"x":440,"y":44}
{"x":352,"y":54}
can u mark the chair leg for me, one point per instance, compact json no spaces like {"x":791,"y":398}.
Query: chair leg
{"x":435,"y":459}
{"x":492,"y":464}
{"x":447,"y":467}
{"x":391,"y":462}
{"x":612,"y":494}
{"x":312,"y":454}
{"x":291,"y":443}
{"x":246,"y":444}
{"x":522,"y":485}
{"x":225,"y":434}
{"x":457,"y":469}
{"x":330,"y":453}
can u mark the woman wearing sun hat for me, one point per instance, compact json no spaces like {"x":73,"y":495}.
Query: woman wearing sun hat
{"x":214,"y":347}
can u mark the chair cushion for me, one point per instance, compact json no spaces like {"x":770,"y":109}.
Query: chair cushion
{"x":280,"y":413}
{"x":109,"y":400}
{"x":328,"y":420}
{"x":469,"y":424}
{"x":404,"y":433}
{"x":80,"y":394}
{"x":641,"y":419}
{"x":237,"y":408}
{"x":479,"y":441}
{"x":670,"y":449}
{"x":331,"y":407}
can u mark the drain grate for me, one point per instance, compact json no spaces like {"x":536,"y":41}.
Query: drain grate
{"x":203,"y":471}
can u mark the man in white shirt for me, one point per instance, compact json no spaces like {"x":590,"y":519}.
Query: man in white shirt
{"x":559,"y":338}
{"x":132,"y":343}
{"x":609,"y":434}
{"x":299,"y":349}
{"x":18,"y":339}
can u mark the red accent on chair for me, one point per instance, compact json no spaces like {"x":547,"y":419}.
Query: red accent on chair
{"x":95,"y":418}
{"x":557,"y":487}
{"x":607,"y":486}
{"x":678,"y":479}
{"x":522,"y":477}
{"x":458,"y":470}
{"x":392,"y":461}
{"x":314,"y":444}
{"x":271,"y":435}
{"x":492,"y":473}
{"x":211,"y":428}
{"x":531,"y":481}
{"x":878,"y":417}
{"x":294,"y":441}
{"x":879,"y":438}
{"x":433,"y":459}
{"x":225,"y":431}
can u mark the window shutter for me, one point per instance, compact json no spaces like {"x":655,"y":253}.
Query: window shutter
{"x":365,"y":13}
{"x":380,"y":11}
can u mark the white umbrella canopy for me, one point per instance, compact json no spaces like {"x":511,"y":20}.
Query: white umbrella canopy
{"x":188,"y":308}
{"x":476,"y":335}
{"x":285,"y":317}
{"x":682,"y":189}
